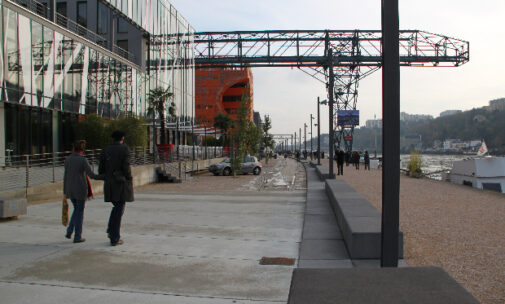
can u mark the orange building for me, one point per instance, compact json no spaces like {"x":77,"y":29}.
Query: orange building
{"x":220,"y":91}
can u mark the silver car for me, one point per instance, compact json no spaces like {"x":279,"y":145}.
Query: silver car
{"x":250,"y":164}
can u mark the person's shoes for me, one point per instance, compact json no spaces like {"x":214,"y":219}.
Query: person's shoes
{"x":81,"y":240}
{"x":68,"y":235}
{"x":120,"y":242}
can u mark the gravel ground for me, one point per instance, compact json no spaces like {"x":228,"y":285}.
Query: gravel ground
{"x":458,"y":228}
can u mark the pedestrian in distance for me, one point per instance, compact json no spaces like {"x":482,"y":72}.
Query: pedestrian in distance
{"x":118,"y":186}
{"x":355,"y":159}
{"x":340,"y":161}
{"x":367,"y":160}
{"x":77,"y":188}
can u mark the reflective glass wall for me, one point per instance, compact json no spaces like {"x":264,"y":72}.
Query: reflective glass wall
{"x":45,"y":67}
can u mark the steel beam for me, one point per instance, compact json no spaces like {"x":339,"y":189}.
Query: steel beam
{"x":391,"y":134}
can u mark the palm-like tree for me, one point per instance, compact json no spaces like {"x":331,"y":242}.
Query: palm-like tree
{"x":158,"y":98}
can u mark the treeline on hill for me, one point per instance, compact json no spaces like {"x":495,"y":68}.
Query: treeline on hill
{"x":481,"y":123}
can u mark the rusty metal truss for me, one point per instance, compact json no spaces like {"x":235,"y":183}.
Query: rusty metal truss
{"x":355,"y":54}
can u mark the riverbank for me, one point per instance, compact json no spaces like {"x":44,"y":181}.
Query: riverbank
{"x":458,"y":228}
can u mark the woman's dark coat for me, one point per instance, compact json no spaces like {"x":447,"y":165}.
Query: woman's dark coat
{"x":75,"y":184}
{"x":115,"y":165}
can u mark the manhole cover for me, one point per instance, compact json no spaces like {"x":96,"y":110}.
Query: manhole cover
{"x":277,"y":261}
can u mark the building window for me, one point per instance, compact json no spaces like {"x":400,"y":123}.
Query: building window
{"x":103,"y":19}
{"x":123,"y":46}
{"x":122,"y":25}
{"x":61,"y":13}
{"x":240,"y":85}
{"x":232,"y":98}
{"x":82,"y":14}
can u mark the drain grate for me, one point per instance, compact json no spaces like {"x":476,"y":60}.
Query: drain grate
{"x":277,"y":261}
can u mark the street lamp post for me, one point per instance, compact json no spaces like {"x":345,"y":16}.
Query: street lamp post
{"x":331,"y":87}
{"x":311,"y":152}
{"x":300,"y":139}
{"x":318,"y":135}
{"x":295,"y":141}
{"x":305,"y":138}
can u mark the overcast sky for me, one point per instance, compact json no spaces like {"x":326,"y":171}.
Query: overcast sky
{"x":288,"y":95}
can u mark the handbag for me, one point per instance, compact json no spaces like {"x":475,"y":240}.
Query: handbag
{"x":64,"y":212}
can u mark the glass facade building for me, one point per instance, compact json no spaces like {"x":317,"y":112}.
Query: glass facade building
{"x":60,"y":60}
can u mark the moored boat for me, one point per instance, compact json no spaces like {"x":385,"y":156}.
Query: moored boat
{"x":483,"y":173}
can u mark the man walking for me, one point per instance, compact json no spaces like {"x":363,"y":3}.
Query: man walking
{"x":118,"y":186}
{"x":367,"y":161}
{"x":340,"y":161}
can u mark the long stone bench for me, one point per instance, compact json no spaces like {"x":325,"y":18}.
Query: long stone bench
{"x":322,"y":171}
{"x":359,"y":221}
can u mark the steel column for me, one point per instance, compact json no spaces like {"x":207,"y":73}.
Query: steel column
{"x":311,"y":151}
{"x":331,"y":91}
{"x":391,"y":133}
{"x":318,"y":135}
{"x":305,"y":137}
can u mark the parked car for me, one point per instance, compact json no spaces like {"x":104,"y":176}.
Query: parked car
{"x":250,"y":164}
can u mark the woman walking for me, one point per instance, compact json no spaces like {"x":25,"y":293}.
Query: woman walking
{"x":77,"y":187}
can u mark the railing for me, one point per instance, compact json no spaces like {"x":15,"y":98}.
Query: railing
{"x":23,"y":171}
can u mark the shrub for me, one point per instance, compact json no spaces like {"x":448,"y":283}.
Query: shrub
{"x":93,"y":131}
{"x":135,"y":129}
{"x":415,"y":162}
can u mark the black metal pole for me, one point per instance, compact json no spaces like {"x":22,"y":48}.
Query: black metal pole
{"x":305,"y":137}
{"x":318,"y":135}
{"x":331,"y":87}
{"x":391,"y":133}
{"x":311,"y":150}
{"x":300,"y":139}
{"x":193,"y":137}
{"x":295,"y":142}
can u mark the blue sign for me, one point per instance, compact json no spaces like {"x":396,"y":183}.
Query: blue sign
{"x":348,"y":118}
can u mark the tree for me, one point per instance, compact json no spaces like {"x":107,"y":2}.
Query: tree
{"x":223,"y":122}
{"x":267,"y":141}
{"x":92,"y":129}
{"x":252,"y":139}
{"x":240,"y":133}
{"x":158,"y":98}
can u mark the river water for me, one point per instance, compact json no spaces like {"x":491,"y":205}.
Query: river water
{"x":433,"y":163}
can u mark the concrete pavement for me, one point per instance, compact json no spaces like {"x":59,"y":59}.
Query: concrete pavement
{"x":179,"y":248}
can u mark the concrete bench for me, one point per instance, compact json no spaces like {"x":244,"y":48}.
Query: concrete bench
{"x":323,"y":172}
{"x":413,"y":285}
{"x":359,"y":221}
{"x":11,"y":207}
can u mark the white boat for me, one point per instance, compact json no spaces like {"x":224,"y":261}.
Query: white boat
{"x":483,"y":173}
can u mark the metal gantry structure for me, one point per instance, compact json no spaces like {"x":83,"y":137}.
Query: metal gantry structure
{"x":337,"y":58}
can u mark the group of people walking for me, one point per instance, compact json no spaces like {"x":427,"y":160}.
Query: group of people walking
{"x":114,"y":168}
{"x":353,"y":158}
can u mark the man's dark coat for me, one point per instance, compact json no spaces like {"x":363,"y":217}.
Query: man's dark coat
{"x":340,"y":157}
{"x":115,"y":164}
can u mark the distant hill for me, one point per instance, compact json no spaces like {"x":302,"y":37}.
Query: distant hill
{"x":483,"y":123}
{"x":486,"y":123}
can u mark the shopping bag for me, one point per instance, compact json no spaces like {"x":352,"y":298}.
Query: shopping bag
{"x":64,"y":212}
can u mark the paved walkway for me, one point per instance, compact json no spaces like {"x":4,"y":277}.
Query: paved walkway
{"x":322,"y":242}
{"x":179,"y":248}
